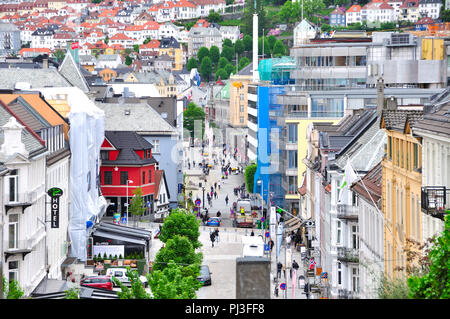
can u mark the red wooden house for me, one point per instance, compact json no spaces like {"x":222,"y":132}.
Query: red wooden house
{"x":127,"y":163}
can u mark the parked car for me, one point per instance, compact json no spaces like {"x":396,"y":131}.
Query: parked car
{"x":103,"y":282}
{"x":213,"y":221}
{"x":121,"y":275}
{"x":205,"y":275}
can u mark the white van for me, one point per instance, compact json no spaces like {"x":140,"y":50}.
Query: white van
{"x":253,"y":246}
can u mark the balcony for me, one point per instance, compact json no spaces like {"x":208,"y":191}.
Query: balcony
{"x":16,"y":247}
{"x":347,"y":212}
{"x":347,"y":294}
{"x":434,"y":201}
{"x":23,"y":200}
{"x":349,"y":255}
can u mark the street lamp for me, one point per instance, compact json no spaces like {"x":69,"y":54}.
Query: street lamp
{"x":128,"y":181}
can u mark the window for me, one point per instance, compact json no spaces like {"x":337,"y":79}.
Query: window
{"x":241,"y":119}
{"x":155,"y":146}
{"x":107,"y":178}
{"x":339,"y":273}
{"x":123,"y":178}
{"x":292,"y":133}
{"x":149,"y":176}
{"x":355,"y":279}
{"x":13,"y":186}
{"x":13,"y":272}
{"x":415,"y":156}
{"x":241,"y":97}
{"x":292,"y":158}
{"x":241,"y":109}
{"x":338,"y":232}
{"x":355,"y":239}
{"x":390,"y":148}
{"x":13,"y":231}
{"x":143,"y":177}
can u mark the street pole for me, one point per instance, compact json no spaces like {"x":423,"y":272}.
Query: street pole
{"x":203,"y":188}
{"x":127,"y":202}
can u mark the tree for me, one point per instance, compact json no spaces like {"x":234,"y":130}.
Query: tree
{"x":11,"y":290}
{"x":249,"y":174}
{"x":59,"y":55}
{"x":230,"y":68}
{"x":128,"y":60}
{"x":239,"y":47}
{"x":136,"y":291}
{"x":266,"y":46}
{"x":271,"y":39}
{"x":222,"y":74}
{"x":311,"y":7}
{"x":137,"y":206}
{"x":434,"y":282}
{"x":180,"y":250}
{"x":181,"y":223}
{"x":147,"y":40}
{"x":107,"y":40}
{"x":192,"y":114}
{"x":214,"y":54}
{"x":192,"y":64}
{"x":227,"y":43}
{"x":227,"y":52}
{"x":170,"y":283}
{"x":445,"y":14}
{"x":222,"y":62}
{"x":214,"y":17}
{"x":206,"y":68}
{"x":243,"y":63}
{"x":248,"y":42}
{"x":202,"y":52}
{"x":136,"y":48}
{"x":279,"y":49}
{"x":72,"y":293}
{"x":325,"y":28}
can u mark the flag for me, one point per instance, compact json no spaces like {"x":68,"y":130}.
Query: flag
{"x":312,"y":263}
{"x":75,"y":45}
{"x":348,"y":179}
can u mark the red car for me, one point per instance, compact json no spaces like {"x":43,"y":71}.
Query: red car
{"x":104,"y":282}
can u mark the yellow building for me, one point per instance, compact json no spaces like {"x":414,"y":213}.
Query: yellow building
{"x":174,"y":49}
{"x":239,"y":99}
{"x":401,"y":188}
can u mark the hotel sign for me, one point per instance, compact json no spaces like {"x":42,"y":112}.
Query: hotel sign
{"x":54,"y":194}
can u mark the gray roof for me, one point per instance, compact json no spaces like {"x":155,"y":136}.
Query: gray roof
{"x":108,"y":57}
{"x":248,"y":70}
{"x":70,"y":70}
{"x":142,"y":118}
{"x":127,"y":142}
{"x":32,"y":144}
{"x":38,"y":78}
{"x":437,"y":121}
{"x":396,"y":119}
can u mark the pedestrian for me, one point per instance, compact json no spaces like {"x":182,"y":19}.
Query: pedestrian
{"x":218,"y":214}
{"x":215,"y":194}
{"x":279,"y":267}
{"x":226,"y":200}
{"x":215,"y":185}
{"x":212,"y":237}
{"x":307,"y":290}
{"x":271,"y":243}
{"x":216,"y":234}
{"x":252,"y":233}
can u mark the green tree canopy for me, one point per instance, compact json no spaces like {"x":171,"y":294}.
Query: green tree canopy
{"x":128,"y":60}
{"x":136,"y":291}
{"x":227,"y":52}
{"x":192,"y":64}
{"x":192,"y":114}
{"x":271,"y":39}
{"x":180,"y":250}
{"x":180,"y":222}
{"x":266,"y":46}
{"x":214,"y":54}
{"x":214,"y":16}
{"x":434,"y":283}
{"x":247,"y":18}
{"x":243,"y":63}
{"x":206,"y":68}
{"x":202,"y":52}
{"x":171,"y":283}
{"x":137,"y":206}
{"x":239,"y":47}
{"x":222,"y":62}
{"x":222,"y":74}
{"x":248,"y":42}
{"x":249,"y":174}
{"x":59,"y":55}
{"x":227,"y":43}
{"x":279,"y":49}
{"x":230,"y":68}
{"x":11,"y":290}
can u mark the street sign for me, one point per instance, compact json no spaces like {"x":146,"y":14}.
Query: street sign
{"x":54,"y":193}
{"x":266,"y":247}
{"x":262,"y":219}
{"x":267,"y":234}
{"x":198,"y":202}
{"x":283,"y":286}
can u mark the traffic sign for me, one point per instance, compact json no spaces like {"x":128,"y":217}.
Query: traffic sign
{"x":198,"y":202}
{"x":267,"y":234}
{"x":283,"y":286}
{"x":262,"y":219}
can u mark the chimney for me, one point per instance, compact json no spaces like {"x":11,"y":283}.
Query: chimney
{"x":45,"y":63}
{"x":12,"y":140}
{"x":380,"y":95}
{"x":391,"y":103}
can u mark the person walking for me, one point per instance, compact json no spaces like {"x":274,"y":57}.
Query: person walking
{"x":215,"y":194}
{"x":216,"y":234}
{"x":212,"y":237}
{"x":279,"y":267}
{"x":226,"y":200}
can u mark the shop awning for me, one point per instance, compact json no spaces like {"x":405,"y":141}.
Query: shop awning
{"x":125,"y":230}
{"x":116,"y":236}
{"x":294,"y":226}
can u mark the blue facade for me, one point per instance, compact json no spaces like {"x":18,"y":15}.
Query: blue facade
{"x":167,"y":144}
{"x":337,"y":19}
{"x":268,"y":166}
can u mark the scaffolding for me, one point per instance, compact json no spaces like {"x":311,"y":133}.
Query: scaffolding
{"x":277,"y":70}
